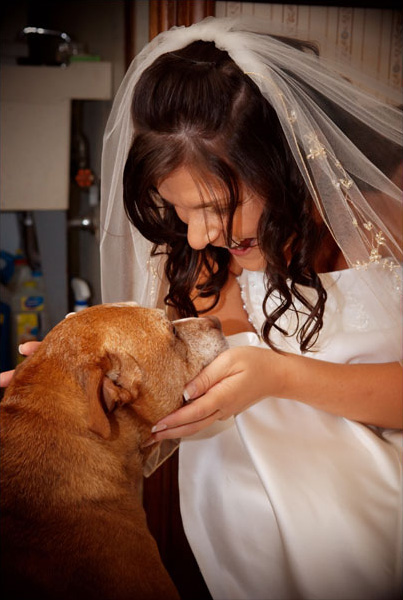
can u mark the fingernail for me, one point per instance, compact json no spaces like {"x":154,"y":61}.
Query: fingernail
{"x":20,"y":349}
{"x":159,"y":427}
{"x":189,"y":392}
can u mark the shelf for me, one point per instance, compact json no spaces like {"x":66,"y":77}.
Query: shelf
{"x":78,"y":81}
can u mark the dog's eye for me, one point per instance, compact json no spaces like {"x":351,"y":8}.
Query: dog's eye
{"x":174,"y":330}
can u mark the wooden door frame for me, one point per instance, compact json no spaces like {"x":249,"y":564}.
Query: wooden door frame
{"x":164,"y":14}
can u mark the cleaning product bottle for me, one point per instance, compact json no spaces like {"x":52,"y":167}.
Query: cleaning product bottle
{"x":6,"y":272}
{"x":82,"y":293}
{"x":40,"y":302}
{"x":27,"y":307}
{"x":21,"y":272}
{"x":5,"y":335}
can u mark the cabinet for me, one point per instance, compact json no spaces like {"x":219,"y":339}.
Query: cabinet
{"x":35,"y":125}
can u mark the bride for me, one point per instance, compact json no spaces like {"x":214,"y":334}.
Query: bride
{"x":243,"y":177}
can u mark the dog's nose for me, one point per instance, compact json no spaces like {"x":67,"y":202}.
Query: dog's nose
{"x":214,"y":321}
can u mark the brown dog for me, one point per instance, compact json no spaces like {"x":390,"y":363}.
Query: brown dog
{"x":74,"y":421}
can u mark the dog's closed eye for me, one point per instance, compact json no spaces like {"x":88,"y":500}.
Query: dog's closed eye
{"x":177,"y":342}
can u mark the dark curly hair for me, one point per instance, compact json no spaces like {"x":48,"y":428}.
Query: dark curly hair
{"x":196,"y":107}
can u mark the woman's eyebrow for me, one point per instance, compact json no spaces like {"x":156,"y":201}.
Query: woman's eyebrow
{"x":206,"y":205}
{"x":197,"y":206}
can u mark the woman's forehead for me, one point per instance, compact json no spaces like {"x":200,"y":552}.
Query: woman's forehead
{"x":196,"y":186}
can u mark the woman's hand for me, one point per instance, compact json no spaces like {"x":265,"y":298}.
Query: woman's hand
{"x":241,"y":376}
{"x":24,"y":349}
{"x":235,"y":380}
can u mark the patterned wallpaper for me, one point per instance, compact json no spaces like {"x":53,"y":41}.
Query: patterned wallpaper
{"x":366,"y":39}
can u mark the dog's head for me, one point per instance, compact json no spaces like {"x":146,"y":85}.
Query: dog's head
{"x":135,"y":357}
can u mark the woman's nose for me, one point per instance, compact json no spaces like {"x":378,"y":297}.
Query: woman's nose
{"x":202,"y":231}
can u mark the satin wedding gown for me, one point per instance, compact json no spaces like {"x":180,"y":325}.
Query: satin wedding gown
{"x":285,"y":501}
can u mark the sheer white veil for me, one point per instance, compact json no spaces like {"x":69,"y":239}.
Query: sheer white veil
{"x":343,"y":140}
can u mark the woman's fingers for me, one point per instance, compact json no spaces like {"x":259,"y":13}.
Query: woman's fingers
{"x":28,"y":348}
{"x":5,"y":378}
{"x":25,"y":349}
{"x":197,"y":411}
{"x":235,"y":380}
{"x":206,"y":392}
{"x":215,"y":372}
{"x":185,"y":429}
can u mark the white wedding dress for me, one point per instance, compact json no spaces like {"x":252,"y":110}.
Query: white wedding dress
{"x":285,"y":501}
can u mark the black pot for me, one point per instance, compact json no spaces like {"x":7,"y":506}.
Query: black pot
{"x":47,"y":47}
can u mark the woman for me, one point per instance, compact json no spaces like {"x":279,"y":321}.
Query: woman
{"x":262,"y":188}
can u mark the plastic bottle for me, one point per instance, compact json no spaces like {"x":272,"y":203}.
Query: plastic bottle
{"x":40,"y":292}
{"x":6,"y":267}
{"x":27,"y":308}
{"x":82,"y":293}
{"x":5,"y":336}
{"x":22,"y":272}
{"x":6,"y":273}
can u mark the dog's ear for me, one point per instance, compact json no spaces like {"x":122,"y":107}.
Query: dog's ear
{"x":97,"y":420}
{"x":115,"y":395}
{"x":106,"y":394}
